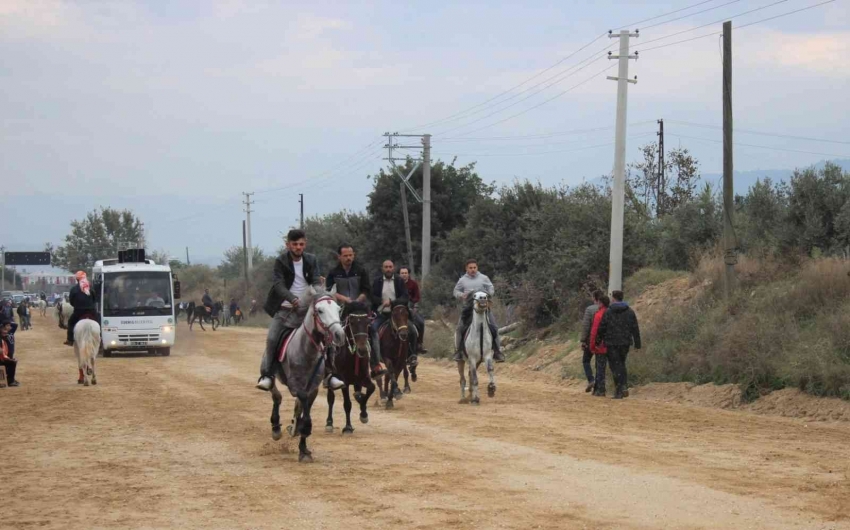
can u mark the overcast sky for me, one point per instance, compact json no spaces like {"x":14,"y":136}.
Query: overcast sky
{"x":174,"y":108}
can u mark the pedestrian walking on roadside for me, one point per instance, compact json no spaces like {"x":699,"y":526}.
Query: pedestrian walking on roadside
{"x":619,"y":329}
{"x":600,"y":350}
{"x":586,"y":353}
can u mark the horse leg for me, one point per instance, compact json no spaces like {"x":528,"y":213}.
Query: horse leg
{"x":348,"y":429}
{"x":93,"y":371}
{"x":461,"y":372}
{"x":406,"y":381}
{"x":383,"y":382}
{"x":201,"y":323}
{"x":491,"y":371}
{"x":364,"y":400}
{"x":80,"y":365}
{"x":304,"y":454}
{"x":473,"y":383}
{"x":413,"y":376}
{"x":396,"y":390}
{"x":275,"y":419}
{"x":389,"y":384}
{"x":329,"y":425}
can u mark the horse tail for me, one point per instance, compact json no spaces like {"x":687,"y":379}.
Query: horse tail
{"x":87,"y":337}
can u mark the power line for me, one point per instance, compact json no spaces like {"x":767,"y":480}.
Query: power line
{"x":761,"y":133}
{"x":691,"y":15}
{"x":607,"y":144}
{"x":785,"y":14}
{"x":538,"y":136}
{"x":761,"y":146}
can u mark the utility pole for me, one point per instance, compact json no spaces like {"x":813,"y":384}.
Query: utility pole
{"x":248,"y":203}
{"x":615,"y":270}
{"x":730,"y":256}
{"x":405,"y":181}
{"x":245,"y":257}
{"x":3,"y":273}
{"x":187,"y":257}
{"x":661,"y":198}
{"x":426,"y":207}
{"x":302,"y":209}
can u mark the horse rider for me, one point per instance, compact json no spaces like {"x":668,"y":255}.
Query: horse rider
{"x":415,"y":295}
{"x":352,"y":285}
{"x":253,"y":309}
{"x":472,"y":282}
{"x":387,"y":291}
{"x":294,"y":272}
{"x":233,"y":307}
{"x":207,"y":301}
{"x":82,"y":299}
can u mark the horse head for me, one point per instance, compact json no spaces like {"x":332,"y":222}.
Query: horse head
{"x":399,"y":318}
{"x":357,"y":329}
{"x":481,"y":302}
{"x":326,"y":319}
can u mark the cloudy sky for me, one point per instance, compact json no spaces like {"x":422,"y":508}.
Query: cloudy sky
{"x":175,"y":108}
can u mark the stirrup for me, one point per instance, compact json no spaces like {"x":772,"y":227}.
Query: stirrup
{"x":262,"y":385}
{"x":379,"y":369}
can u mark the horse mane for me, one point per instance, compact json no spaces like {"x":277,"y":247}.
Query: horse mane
{"x":357,"y":307}
{"x":397,"y":303}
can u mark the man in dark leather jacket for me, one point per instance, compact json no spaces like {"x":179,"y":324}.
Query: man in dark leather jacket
{"x":295,"y":271}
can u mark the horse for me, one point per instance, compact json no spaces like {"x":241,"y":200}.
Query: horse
{"x":302,"y":357}
{"x":63,"y":313}
{"x":393,"y":337}
{"x":352,"y":367}
{"x":199,"y":313}
{"x":42,"y":308}
{"x":479,"y":348}
{"x":238,"y":317}
{"x":86,"y":346}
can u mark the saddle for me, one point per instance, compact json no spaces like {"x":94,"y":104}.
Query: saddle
{"x":283,"y":342}
{"x":88,"y":315}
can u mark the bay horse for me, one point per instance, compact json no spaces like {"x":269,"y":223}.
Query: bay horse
{"x":352,"y":367}
{"x":301,"y":365}
{"x":479,"y":348}
{"x":201,"y":312}
{"x":393,"y":337}
{"x":86,"y":347}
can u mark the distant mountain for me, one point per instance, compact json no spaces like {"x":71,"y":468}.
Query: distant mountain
{"x":744,"y":180}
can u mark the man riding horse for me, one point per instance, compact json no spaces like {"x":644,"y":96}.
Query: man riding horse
{"x":468,"y":284}
{"x":82,"y":298}
{"x":388,"y":291}
{"x":415,"y":297}
{"x":207,"y":301}
{"x":295,"y":272}
{"x":352,"y":285}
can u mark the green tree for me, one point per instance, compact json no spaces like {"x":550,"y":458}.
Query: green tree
{"x":325,"y":233}
{"x":233,"y":263}
{"x":101,"y":234}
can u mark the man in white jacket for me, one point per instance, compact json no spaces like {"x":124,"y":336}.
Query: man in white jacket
{"x":472,"y":282}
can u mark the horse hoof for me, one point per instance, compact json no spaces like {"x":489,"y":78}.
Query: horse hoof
{"x":475,"y":401}
{"x":290,"y":429}
{"x":491,"y":392}
{"x":383,"y":397}
{"x":407,"y":390}
{"x":85,"y":383}
{"x":329,"y":428}
{"x":348,"y":430}
{"x":463,"y":401}
{"x":364,"y":419}
{"x":276,"y":434}
{"x":94,"y":381}
{"x":79,"y":381}
{"x":413,"y":377}
{"x":305,"y":458}
{"x":390,"y":404}
{"x":88,"y":371}
{"x":397,"y":394}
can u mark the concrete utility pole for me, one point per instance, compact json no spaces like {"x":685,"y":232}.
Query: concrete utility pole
{"x":661,"y":193}
{"x":426,"y":191}
{"x":615,"y":270}
{"x":301,"y":200}
{"x":3,"y":268}
{"x":245,"y":255}
{"x":248,"y":203}
{"x":426,"y":206}
{"x":187,"y":257}
{"x":730,"y":255}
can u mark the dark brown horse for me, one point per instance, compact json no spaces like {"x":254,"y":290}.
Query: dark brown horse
{"x":394,"y":349}
{"x":352,"y":367}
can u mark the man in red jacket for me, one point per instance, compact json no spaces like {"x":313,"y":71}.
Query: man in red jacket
{"x":415,"y":296}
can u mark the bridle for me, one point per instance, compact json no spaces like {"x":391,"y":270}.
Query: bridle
{"x":318,"y":327}
{"x":352,"y":336}
{"x":396,"y":328}
{"x":481,"y":306}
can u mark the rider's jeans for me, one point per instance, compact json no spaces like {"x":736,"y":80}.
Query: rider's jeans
{"x":283,"y":320}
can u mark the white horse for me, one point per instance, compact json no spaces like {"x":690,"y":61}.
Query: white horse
{"x":479,"y":348}
{"x":42,"y":308}
{"x":86,"y":346}
{"x":63,"y":313}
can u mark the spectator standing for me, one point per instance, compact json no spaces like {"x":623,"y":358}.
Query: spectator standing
{"x":619,"y":329}
{"x":586,"y":353}
{"x":599,"y":350}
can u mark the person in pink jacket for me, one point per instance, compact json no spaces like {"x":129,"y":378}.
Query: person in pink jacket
{"x":599,"y":350}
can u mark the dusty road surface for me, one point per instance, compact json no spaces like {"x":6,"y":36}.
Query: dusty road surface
{"x":184,"y":442}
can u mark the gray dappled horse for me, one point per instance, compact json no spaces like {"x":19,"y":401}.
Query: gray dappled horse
{"x":479,"y":348}
{"x":302,"y":367}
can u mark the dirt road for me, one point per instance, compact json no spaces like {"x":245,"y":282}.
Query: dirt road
{"x":184,"y":442}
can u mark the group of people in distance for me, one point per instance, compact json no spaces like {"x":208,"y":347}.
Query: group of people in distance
{"x":295,"y":271}
{"x":608,"y":331}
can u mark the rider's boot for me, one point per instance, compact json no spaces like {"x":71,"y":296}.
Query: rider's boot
{"x":332,"y":382}
{"x":265,"y":383}
{"x":498,"y":356}
{"x":375,"y":363}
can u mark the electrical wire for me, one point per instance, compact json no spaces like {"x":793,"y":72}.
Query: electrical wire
{"x":761,"y":133}
{"x":758,"y":146}
{"x":550,"y":152}
{"x":539,"y":136}
{"x":691,"y":15}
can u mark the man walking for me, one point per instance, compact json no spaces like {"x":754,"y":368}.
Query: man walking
{"x":586,"y":353}
{"x":294,"y":272}
{"x":472,"y":282}
{"x":415,"y":296}
{"x":618,"y":329}
{"x":352,"y":286}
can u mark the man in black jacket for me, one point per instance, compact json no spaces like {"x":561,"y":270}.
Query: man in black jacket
{"x":7,"y":349}
{"x":618,"y":330}
{"x":82,"y":298}
{"x":388,"y":291}
{"x":352,"y":285}
{"x":295,"y":271}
